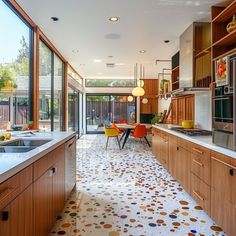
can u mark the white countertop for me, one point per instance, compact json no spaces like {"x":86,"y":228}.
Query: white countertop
{"x":12,"y":163}
{"x":205,"y":141}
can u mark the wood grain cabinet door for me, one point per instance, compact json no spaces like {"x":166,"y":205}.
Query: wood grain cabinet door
{"x":172,"y":156}
{"x":181,"y":110}
{"x":221,"y":199}
{"x":189,"y":108}
{"x":17,"y":217}
{"x":174,"y":112}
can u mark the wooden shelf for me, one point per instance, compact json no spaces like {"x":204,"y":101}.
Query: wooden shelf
{"x":227,"y":40}
{"x":176,"y":82}
{"x":203,"y":52}
{"x":175,"y":69}
{"x":226,"y":14}
{"x":230,"y":52}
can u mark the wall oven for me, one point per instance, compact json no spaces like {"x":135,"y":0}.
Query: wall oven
{"x":223,"y":104}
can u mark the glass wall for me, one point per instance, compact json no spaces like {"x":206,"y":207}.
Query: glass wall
{"x":57,"y":95}
{"x":45,"y":86}
{"x":103,"y":108}
{"x":50,"y":89}
{"x":73,"y":110}
{"x":15,"y":72}
{"x":110,"y":83}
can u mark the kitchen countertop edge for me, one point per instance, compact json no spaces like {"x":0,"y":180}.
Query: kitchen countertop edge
{"x":205,"y":141}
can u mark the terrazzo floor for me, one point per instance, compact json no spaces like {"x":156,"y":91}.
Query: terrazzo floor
{"x":128,"y":193}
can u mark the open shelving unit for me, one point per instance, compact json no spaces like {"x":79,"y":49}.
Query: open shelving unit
{"x":175,"y":72}
{"x":223,"y":43}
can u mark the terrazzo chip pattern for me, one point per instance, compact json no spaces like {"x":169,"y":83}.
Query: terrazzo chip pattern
{"x":128,"y":193}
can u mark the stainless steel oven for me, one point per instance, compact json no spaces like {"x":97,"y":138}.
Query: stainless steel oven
{"x":223,"y":104}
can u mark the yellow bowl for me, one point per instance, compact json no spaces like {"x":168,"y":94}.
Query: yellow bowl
{"x":188,"y":124}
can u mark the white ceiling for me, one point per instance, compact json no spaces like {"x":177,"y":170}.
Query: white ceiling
{"x":143,"y":24}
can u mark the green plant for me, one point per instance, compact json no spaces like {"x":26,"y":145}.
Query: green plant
{"x":6,"y":76}
{"x":157,"y":118}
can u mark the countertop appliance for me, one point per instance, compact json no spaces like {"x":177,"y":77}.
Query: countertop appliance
{"x":70,"y":166}
{"x":223,"y":112}
{"x":192,"y":132}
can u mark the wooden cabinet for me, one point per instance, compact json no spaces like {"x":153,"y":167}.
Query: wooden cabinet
{"x":182,"y":109}
{"x":222,"y":180}
{"x":49,"y":190}
{"x":17,"y":216}
{"x":173,"y":147}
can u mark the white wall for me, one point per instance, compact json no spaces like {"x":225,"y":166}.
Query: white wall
{"x":163,"y":105}
{"x":203,"y":118}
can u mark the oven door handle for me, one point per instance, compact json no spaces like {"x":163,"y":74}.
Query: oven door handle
{"x":218,"y":99}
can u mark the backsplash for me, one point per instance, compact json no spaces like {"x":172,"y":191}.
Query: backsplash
{"x":203,"y":111}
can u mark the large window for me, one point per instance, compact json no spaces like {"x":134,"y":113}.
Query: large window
{"x":110,"y":82}
{"x":50,"y":89}
{"x":15,"y":68}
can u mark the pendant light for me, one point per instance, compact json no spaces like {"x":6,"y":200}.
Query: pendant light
{"x":130,"y":98}
{"x":139,"y":91}
{"x":144,"y":100}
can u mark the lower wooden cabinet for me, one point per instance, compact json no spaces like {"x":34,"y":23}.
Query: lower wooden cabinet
{"x":173,"y":147}
{"x":201,"y":193}
{"x":17,"y":216}
{"x":49,"y":192}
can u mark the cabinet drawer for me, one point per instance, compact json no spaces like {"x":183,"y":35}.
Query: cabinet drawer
{"x":199,"y":150}
{"x":12,"y":187}
{"x":201,"y":193}
{"x":201,"y":167}
{"x":183,"y":143}
{"x":40,"y":167}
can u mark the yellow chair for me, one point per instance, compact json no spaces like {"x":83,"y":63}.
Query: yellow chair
{"x":112,"y":133}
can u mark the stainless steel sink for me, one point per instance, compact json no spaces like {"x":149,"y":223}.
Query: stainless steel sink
{"x":15,"y":149}
{"x":27,"y":142}
{"x":22,"y":145}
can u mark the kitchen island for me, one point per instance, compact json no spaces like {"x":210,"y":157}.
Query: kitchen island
{"x":34,"y":183}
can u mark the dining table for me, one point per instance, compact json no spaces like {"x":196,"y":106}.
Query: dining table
{"x":127,"y":128}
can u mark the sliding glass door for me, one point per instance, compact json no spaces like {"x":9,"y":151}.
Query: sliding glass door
{"x":73,"y":110}
{"x":101,"y":109}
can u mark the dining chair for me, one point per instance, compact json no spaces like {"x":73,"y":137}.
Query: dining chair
{"x":113,"y":125}
{"x":111,"y":133}
{"x":140,"y":131}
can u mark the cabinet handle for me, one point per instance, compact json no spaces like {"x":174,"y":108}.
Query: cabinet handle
{"x":197,"y":150}
{"x":71,"y":144}
{"x":231,"y":172}
{"x":5,"y":216}
{"x":198,"y":163}
{"x":224,"y":163}
{"x":198,"y":195}
{"x":177,"y":148}
{"x":54,"y":170}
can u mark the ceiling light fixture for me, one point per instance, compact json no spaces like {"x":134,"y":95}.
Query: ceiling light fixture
{"x":75,"y":51}
{"x":167,"y":41}
{"x":97,"y":60}
{"x":114,"y":18}
{"x":144,"y":101}
{"x":130,"y":98}
{"x":138,"y":92}
{"x":54,"y":18}
{"x":142,"y":51}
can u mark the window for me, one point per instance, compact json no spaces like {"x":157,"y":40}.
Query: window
{"x":110,"y":83}
{"x":50,"y":89}
{"x":15,"y":68}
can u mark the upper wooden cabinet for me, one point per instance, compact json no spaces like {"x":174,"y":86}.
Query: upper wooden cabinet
{"x":175,"y":71}
{"x":151,"y":92}
{"x":222,"y":41}
{"x":182,"y":109}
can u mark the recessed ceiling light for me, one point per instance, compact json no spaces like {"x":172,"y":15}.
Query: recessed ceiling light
{"x":75,"y":50}
{"x":97,"y":60}
{"x":110,"y":56}
{"x":167,"y":41}
{"x":114,"y":18}
{"x":142,"y":51}
{"x":54,"y":18}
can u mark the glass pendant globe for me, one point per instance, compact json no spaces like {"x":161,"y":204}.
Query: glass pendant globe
{"x":138,"y":92}
{"x":130,"y":98}
{"x":140,"y":83}
{"x":144,"y":100}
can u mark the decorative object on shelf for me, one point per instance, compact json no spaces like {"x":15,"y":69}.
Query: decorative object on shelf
{"x":166,"y":86}
{"x":130,"y":98}
{"x":138,"y":92}
{"x":232,"y":25}
{"x":221,"y":70}
{"x":144,"y":100}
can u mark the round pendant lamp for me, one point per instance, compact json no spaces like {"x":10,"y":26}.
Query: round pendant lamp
{"x":140,"y":83}
{"x":138,"y":92}
{"x":144,"y":100}
{"x":130,"y":98}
